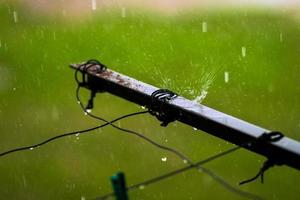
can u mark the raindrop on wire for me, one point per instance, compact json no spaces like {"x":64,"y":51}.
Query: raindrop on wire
{"x":88,"y":110}
{"x":141,"y":187}
{"x":164,"y":159}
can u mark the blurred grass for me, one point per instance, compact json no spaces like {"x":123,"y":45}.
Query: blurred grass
{"x":37,"y":99}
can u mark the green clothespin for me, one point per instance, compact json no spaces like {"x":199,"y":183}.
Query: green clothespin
{"x":119,"y":186}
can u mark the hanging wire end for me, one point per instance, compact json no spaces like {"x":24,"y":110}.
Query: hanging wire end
{"x":273,"y":136}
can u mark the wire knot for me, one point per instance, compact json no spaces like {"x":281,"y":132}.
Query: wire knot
{"x":98,"y":67}
{"x":158,"y":100}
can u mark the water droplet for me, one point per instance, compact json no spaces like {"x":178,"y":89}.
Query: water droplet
{"x":244,"y":51}
{"x":123,"y":12}
{"x":204,"y":27}
{"x":85,"y":113}
{"x":166,"y":140}
{"x":88,"y":110}
{"x":143,"y":107}
{"x":15,"y":14}
{"x":78,"y":102}
{"x":195,"y":129}
{"x":141,"y":187}
{"x":14,"y":89}
{"x":82,"y":198}
{"x":94,"y":4}
{"x":77,"y":134}
{"x":31,"y":148}
{"x":185,"y":161}
{"x":164,"y":159}
{"x":226,"y":77}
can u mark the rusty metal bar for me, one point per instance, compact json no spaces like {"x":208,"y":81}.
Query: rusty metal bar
{"x":285,"y":151}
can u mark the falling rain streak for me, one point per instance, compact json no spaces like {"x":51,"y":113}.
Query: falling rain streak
{"x":281,"y":37}
{"x":15,"y":14}
{"x":123,"y":12}
{"x":54,"y":35}
{"x":204,"y":27}
{"x":226,"y":77}
{"x":244,"y":52}
{"x":94,"y":4}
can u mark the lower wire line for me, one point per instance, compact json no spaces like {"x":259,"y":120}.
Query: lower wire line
{"x":175,"y":172}
{"x":217,"y":178}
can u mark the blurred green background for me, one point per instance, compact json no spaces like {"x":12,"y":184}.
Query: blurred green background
{"x":242,"y":62}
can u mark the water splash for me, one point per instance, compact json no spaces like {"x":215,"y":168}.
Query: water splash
{"x":201,"y":97}
{"x":188,"y":87}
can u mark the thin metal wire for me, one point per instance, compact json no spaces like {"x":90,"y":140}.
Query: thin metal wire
{"x":179,"y":171}
{"x":85,"y":131}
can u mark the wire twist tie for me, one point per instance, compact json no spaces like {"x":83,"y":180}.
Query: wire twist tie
{"x":266,"y":137}
{"x":158,"y":100}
